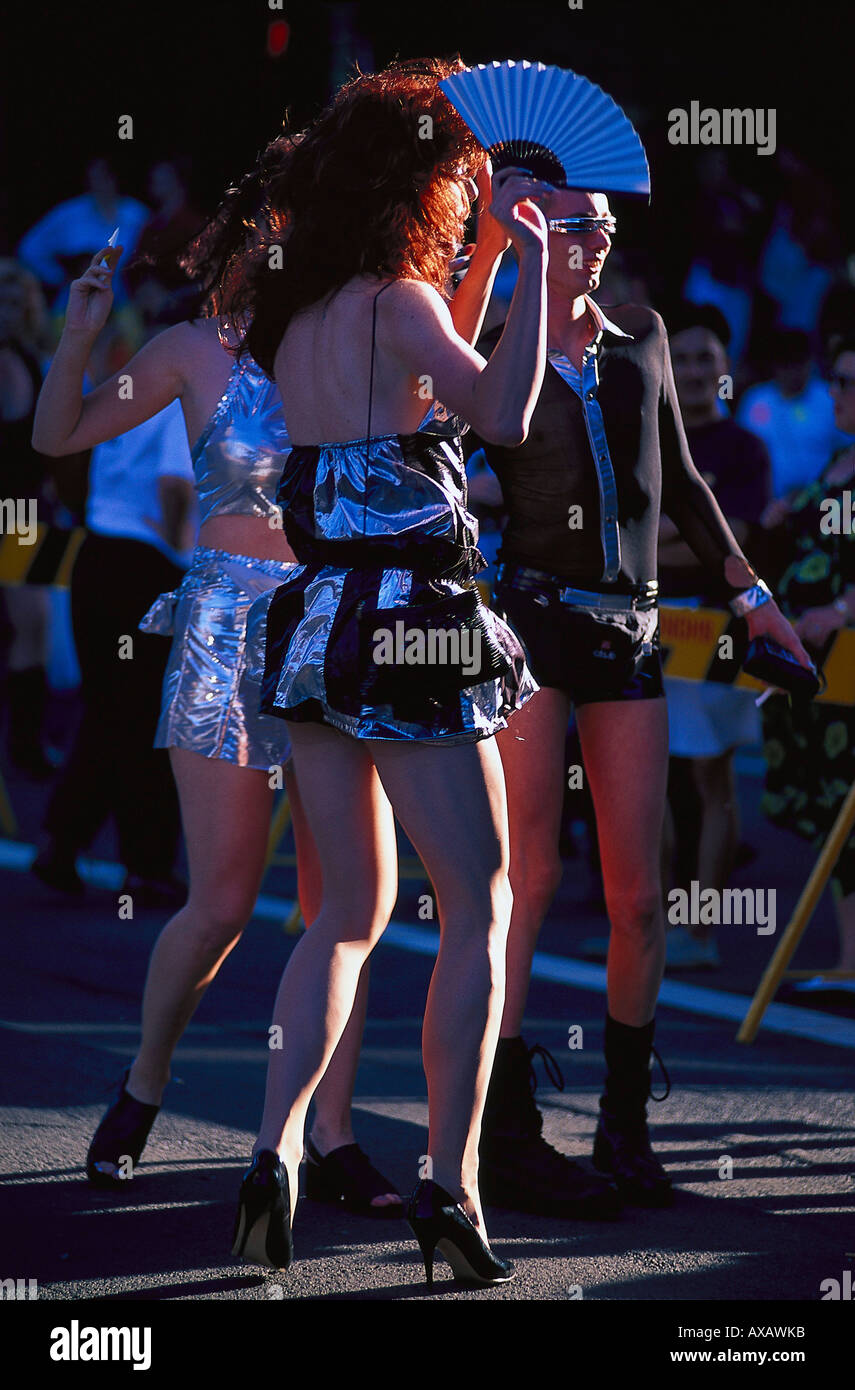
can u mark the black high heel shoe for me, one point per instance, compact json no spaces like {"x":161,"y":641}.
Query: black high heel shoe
{"x":263,"y":1224}
{"x":440,"y":1223}
{"x":121,"y":1135}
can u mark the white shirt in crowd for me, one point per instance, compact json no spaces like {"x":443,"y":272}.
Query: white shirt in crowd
{"x":77,"y":227}
{"x":123,"y":479}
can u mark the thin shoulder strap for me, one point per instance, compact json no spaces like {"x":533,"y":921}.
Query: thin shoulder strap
{"x":373,"y":345}
{"x":370,"y":403}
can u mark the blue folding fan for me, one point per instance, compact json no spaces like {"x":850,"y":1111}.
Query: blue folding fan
{"x":552,"y":122}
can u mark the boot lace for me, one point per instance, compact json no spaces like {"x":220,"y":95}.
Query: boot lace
{"x":550,"y":1066}
{"x":667,"y":1091}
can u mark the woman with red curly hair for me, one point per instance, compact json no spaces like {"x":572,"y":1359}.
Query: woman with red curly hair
{"x":350,"y":314}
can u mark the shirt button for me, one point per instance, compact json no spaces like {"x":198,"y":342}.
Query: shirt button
{"x":590,"y":396}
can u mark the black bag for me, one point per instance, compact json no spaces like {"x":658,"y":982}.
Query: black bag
{"x":428,"y":650}
{"x":767,"y":660}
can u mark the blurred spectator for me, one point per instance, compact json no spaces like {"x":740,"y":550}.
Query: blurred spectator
{"x":707,"y":721}
{"x":140,"y":500}
{"x":793,"y":414}
{"x":155,"y":277}
{"x":23,"y":342}
{"x":623,"y":280}
{"x":61,"y":244}
{"x":810,"y":748}
{"x":726,"y":237}
{"x":801,"y":250}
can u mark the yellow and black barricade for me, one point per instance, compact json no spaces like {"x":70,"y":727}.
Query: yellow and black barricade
{"x":49,"y":560}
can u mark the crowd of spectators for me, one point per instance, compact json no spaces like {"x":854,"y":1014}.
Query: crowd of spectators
{"x":756,"y":315}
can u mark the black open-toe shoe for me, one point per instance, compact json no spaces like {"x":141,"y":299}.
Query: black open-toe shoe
{"x":119,"y":1140}
{"x":346,"y":1177}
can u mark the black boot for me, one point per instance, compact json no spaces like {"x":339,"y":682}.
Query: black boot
{"x":622,"y":1144}
{"x":517,"y":1168}
{"x":27,"y":695}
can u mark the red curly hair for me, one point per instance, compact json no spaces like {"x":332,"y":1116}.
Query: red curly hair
{"x":366,"y":190}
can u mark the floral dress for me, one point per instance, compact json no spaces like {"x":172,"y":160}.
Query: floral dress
{"x":810,"y":749}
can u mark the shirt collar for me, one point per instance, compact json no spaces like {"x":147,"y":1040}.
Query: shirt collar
{"x":605,"y":324}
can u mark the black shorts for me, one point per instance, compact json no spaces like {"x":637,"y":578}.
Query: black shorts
{"x":591,"y":655}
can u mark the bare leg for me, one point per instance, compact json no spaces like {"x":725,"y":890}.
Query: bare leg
{"x":333,"y":1120}
{"x":353,"y":828}
{"x":226,"y":815}
{"x":451,"y":803}
{"x":625,"y":747}
{"x":532,"y":750}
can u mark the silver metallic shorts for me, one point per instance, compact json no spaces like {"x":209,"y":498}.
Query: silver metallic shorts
{"x":211,"y":688}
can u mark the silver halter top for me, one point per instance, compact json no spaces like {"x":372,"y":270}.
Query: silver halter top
{"x":239,"y":456}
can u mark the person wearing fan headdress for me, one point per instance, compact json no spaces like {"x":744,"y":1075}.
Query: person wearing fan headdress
{"x":577,"y":581}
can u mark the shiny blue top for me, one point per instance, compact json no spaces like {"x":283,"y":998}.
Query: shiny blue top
{"x":239,"y":456}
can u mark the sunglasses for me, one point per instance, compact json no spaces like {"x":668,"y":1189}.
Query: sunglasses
{"x":840,"y":381}
{"x":470,"y":188}
{"x":565,"y":226}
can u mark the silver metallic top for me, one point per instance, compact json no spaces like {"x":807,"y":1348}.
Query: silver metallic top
{"x":239,"y":456}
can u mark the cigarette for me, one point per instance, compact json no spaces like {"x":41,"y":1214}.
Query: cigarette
{"x":761,"y":699}
{"x":111,"y":242}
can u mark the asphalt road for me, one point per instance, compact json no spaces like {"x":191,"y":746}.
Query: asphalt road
{"x":782,"y":1110}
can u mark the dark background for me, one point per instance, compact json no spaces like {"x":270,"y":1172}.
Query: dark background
{"x":197,"y":79}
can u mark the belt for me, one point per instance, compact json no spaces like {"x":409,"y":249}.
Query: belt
{"x":521,"y":577}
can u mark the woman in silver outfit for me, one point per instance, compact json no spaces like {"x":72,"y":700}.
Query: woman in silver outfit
{"x":223,"y":750}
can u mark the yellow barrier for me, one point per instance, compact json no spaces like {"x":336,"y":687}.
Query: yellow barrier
{"x":691,"y":651}
{"x":49,"y":560}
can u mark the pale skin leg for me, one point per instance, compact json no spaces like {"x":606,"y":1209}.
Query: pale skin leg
{"x":532,"y":750}
{"x":332,"y":1126}
{"x":719,"y":837}
{"x":625,"y":748}
{"x":451,"y":804}
{"x":226,"y":814}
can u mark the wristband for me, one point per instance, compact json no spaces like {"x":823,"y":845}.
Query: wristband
{"x":749,"y":599}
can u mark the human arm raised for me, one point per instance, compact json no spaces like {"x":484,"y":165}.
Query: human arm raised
{"x":66,"y":421}
{"x":496,"y":397}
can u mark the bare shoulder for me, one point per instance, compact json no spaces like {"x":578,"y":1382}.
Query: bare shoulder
{"x":187,"y":348}
{"x":414,"y":297}
{"x":412,"y":311}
